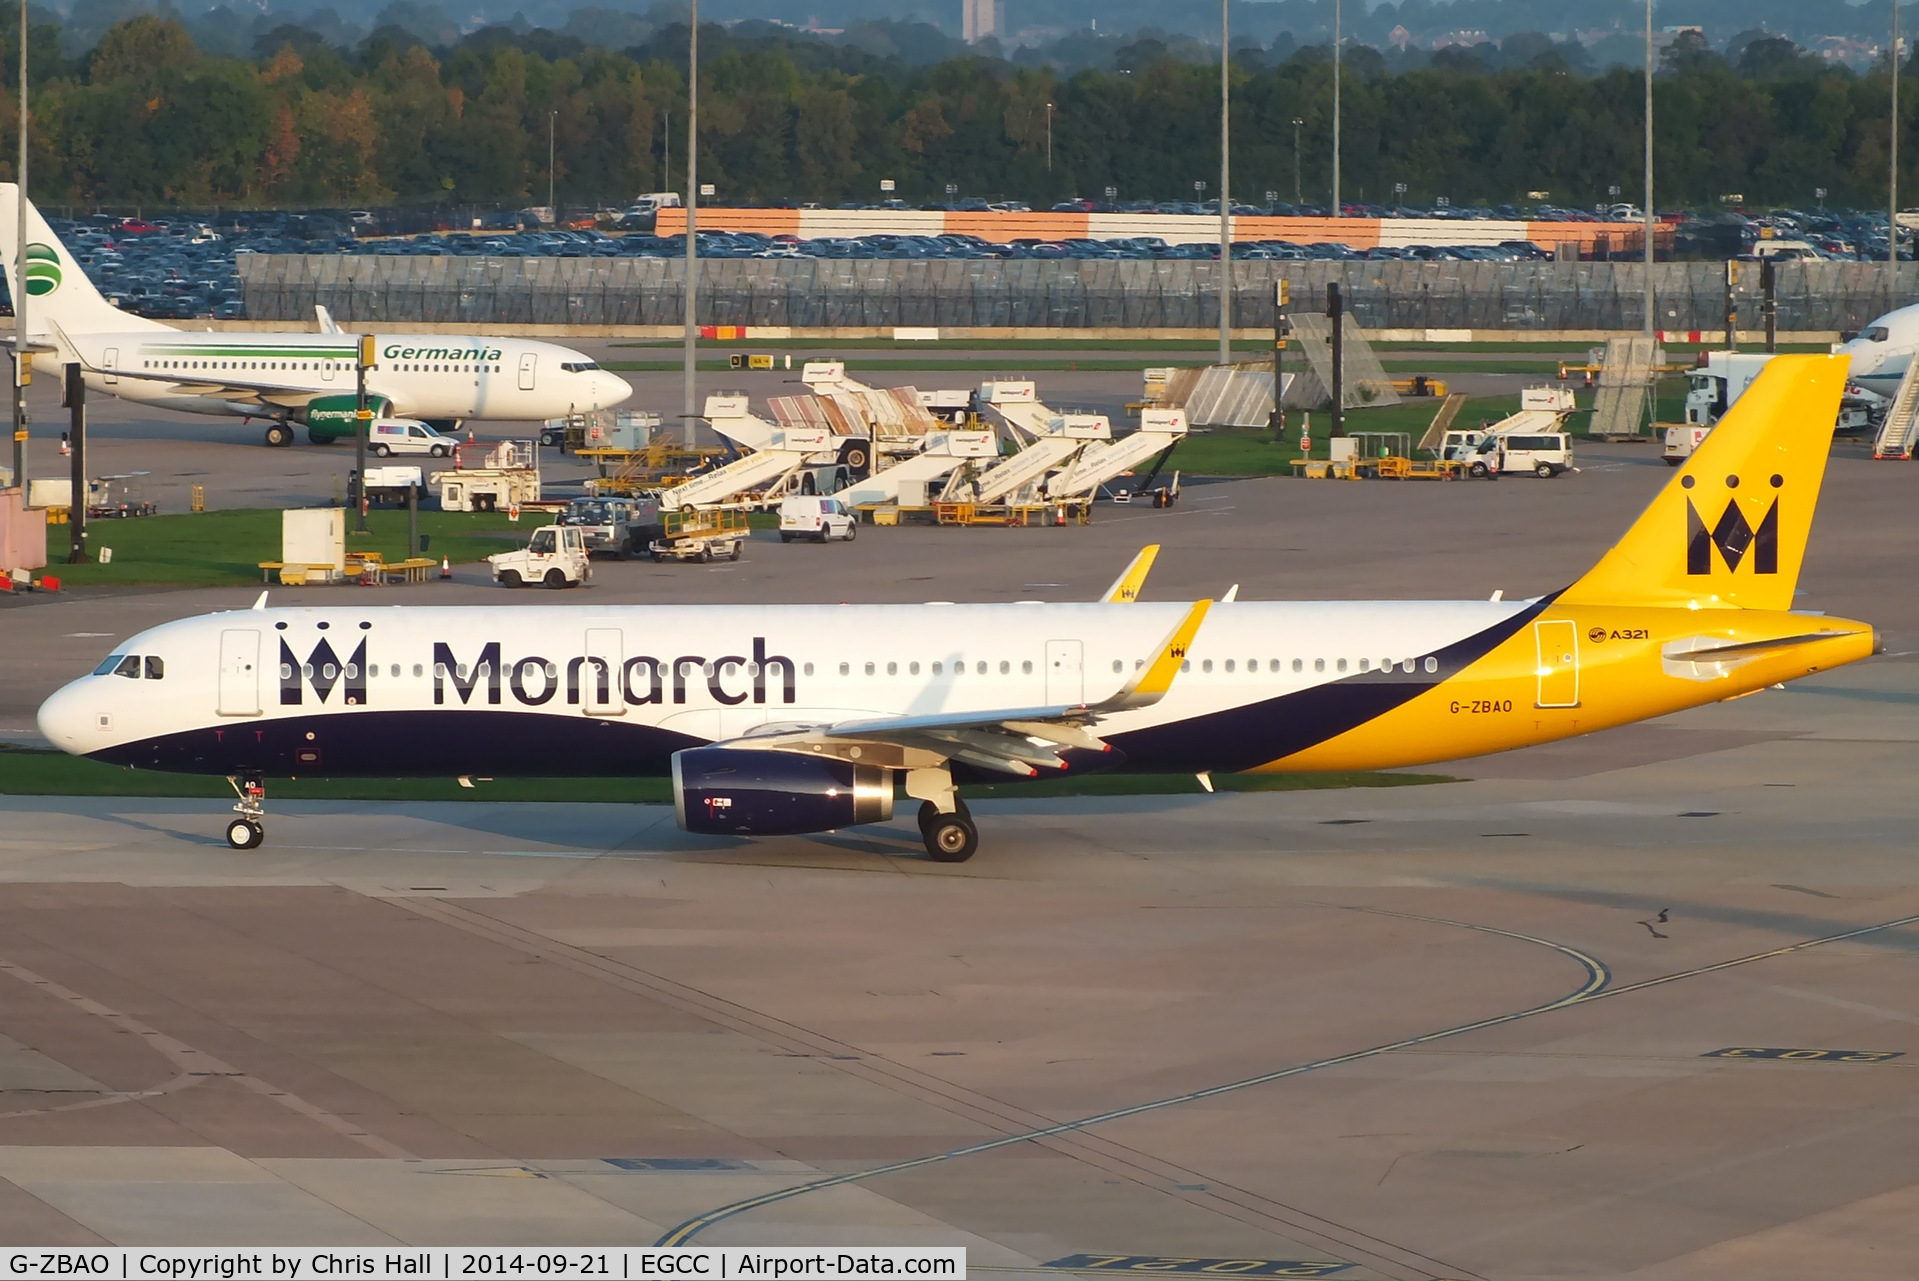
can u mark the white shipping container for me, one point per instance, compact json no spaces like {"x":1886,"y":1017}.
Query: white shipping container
{"x":314,"y":536}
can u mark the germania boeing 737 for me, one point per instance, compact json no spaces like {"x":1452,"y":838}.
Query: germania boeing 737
{"x":791,"y":719}
{"x":288,"y":377}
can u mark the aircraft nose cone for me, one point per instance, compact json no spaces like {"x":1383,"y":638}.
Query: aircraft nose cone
{"x":613,"y":390}
{"x":67,"y":718}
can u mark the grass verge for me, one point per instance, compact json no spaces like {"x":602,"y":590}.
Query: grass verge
{"x":225,"y":548}
{"x":30,"y":772}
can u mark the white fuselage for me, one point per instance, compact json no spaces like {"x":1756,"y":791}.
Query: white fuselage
{"x":422,"y":376}
{"x":616,"y":690}
{"x":1883,"y":350}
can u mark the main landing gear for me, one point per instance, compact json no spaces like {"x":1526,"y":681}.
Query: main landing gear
{"x":950,"y":838}
{"x":247,"y":831}
{"x":945,"y":825}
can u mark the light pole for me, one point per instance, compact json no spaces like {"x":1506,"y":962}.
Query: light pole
{"x":1892,"y":177}
{"x":1650,"y":301}
{"x":551,"y":118}
{"x":1226,"y":192}
{"x":22,"y":356}
{"x":1298,"y":195}
{"x":692,"y":336}
{"x":1049,"y":137}
{"x":1336,"y":25}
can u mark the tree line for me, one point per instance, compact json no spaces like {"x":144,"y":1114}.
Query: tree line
{"x":145,"y":118}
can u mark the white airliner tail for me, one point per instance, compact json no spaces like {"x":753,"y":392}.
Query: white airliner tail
{"x":60,"y":299}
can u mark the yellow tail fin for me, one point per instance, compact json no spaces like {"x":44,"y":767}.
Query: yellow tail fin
{"x":1730,"y":529}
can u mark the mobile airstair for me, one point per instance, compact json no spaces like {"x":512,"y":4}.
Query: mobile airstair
{"x":1103,"y":461}
{"x":1901,"y":424}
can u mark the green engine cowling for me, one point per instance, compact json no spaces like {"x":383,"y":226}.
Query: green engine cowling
{"x":331,"y":418}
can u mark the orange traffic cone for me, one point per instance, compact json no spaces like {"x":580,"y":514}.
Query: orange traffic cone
{"x":469,"y":435}
{"x":446,"y":568}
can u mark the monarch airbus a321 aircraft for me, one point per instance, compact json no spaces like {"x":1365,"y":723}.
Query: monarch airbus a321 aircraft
{"x":288,"y":377}
{"x":791,"y":719}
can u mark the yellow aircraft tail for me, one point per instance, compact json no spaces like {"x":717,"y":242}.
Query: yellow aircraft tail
{"x":1730,"y":529}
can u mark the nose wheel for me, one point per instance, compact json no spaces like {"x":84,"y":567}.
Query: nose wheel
{"x":248,"y":830}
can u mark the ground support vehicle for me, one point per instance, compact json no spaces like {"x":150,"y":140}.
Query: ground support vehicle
{"x":556,"y":557}
{"x":389,"y":436}
{"x":1545,"y":454}
{"x":116,"y":496}
{"x":817,"y":519}
{"x":616,"y":526}
{"x":508,"y":477}
{"x":386,"y":485}
{"x":700,"y":534}
{"x":1681,"y":440}
{"x":635,"y":471}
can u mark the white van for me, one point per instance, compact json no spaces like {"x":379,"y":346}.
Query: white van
{"x":407,"y":436}
{"x":819,"y":519}
{"x":1544,"y":454}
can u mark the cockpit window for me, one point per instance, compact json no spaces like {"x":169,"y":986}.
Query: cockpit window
{"x":109,"y":664}
{"x":156,"y":668}
{"x":1877,"y":333}
{"x":129,"y":667}
{"x":578,"y":366}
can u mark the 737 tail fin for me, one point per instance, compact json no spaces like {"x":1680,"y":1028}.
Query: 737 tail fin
{"x":61,"y":300}
{"x":1730,"y":529}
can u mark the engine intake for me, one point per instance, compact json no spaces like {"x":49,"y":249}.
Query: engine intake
{"x":727,"y":791}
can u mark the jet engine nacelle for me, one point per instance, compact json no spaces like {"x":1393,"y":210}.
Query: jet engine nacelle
{"x":332,"y":417}
{"x":728,"y":791}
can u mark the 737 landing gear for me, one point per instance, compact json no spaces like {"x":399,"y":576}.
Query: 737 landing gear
{"x":247,"y":831}
{"x":950,"y":838}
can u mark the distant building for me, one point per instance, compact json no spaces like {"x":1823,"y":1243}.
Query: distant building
{"x":978,"y":19}
{"x":1399,"y":38}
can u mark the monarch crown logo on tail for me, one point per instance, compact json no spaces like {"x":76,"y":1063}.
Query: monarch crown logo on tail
{"x":1734,"y":536}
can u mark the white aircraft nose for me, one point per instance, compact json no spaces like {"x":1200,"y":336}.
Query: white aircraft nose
{"x":68,"y":718}
{"x":610,"y":390}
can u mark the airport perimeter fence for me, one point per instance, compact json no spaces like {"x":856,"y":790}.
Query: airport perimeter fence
{"x":1053,"y":294}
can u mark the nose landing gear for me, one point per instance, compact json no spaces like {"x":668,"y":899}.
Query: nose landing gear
{"x":249,"y":830}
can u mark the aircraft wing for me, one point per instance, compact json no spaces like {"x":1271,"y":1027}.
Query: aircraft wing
{"x":1014,"y":740}
{"x":237,"y":390}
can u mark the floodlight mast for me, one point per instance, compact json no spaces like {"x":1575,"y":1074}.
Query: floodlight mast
{"x":1225,"y":196}
{"x":22,"y":356}
{"x":689,"y":423}
{"x":1650,"y":301}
